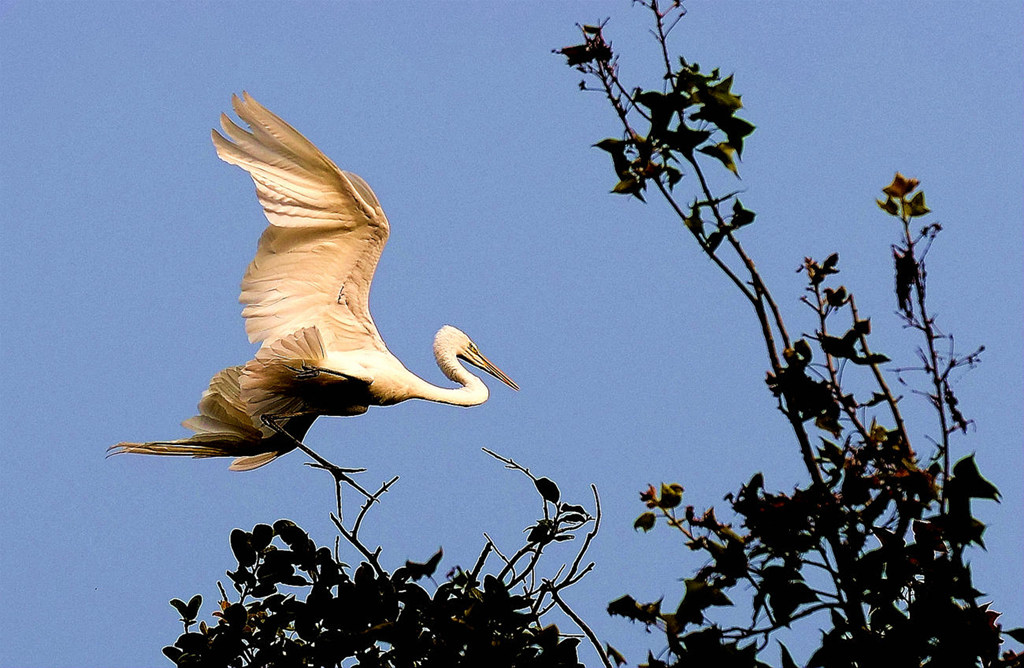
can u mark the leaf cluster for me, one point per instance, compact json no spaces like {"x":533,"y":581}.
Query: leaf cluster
{"x":903,"y":598}
{"x":300,"y":605}
{"x":696,"y":113}
{"x":693,"y":112}
{"x":882,"y":537}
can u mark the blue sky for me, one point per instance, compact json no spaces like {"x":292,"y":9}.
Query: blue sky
{"x":124,"y":239}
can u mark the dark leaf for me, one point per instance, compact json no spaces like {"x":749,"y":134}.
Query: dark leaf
{"x":970,"y":483}
{"x":685,"y":139}
{"x":235,"y":615}
{"x":876,"y":398}
{"x":645,"y":521}
{"x":182,"y":609}
{"x":626,"y":606}
{"x":671,"y":495}
{"x":889,"y":206}
{"x":735,"y":129}
{"x":495,"y":588}
{"x":873,"y":358}
{"x":786,"y":599}
{"x":611,"y":144}
{"x":694,"y":223}
{"x":191,"y":642}
{"x":722,"y":152}
{"x":699,"y":596}
{"x":548,"y":489}
{"x":580,"y":54}
{"x":906,"y":275}
{"x":289,"y":532}
{"x":193,"y":606}
{"x":663,"y":106}
{"x":837,"y":347}
{"x":741,"y":216}
{"x":831,"y":452}
{"x":900,"y":186}
{"x":718,"y":103}
{"x":262,"y":534}
{"x":721,"y":94}
{"x":617,"y":149}
{"x":836,"y":298}
{"x":630,"y":186}
{"x":916,"y":207}
{"x":615,"y":655}
{"x":659,"y":102}
{"x":417,"y":571}
{"x":541,"y":532}
{"x":851,"y":336}
{"x":173,"y":653}
{"x":241,"y":547}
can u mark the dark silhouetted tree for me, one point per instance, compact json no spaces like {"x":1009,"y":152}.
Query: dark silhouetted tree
{"x":873,"y":546}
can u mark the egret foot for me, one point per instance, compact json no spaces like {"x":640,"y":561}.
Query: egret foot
{"x":341,"y":475}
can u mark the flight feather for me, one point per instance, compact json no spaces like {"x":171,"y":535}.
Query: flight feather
{"x":316,"y":260}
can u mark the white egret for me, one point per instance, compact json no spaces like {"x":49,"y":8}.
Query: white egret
{"x":306,"y":296}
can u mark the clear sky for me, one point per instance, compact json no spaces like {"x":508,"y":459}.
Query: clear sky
{"x":124,"y":239}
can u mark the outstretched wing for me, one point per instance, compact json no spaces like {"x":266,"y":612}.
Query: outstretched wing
{"x":316,"y":260}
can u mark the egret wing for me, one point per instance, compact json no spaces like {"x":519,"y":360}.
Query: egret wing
{"x":315,"y":262}
{"x":285,"y":378}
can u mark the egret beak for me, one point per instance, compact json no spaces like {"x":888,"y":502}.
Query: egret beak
{"x":476,"y":358}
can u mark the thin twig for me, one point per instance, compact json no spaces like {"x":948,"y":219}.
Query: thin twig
{"x":583,"y":627}
{"x":352,"y":536}
{"x":371,"y":557}
{"x":927,"y":327}
{"x":488,"y":546}
{"x":834,"y":383}
{"x":586,"y":541}
{"x":741,"y":633}
{"x":510,"y":565}
{"x":374,"y":498}
{"x":876,"y":370}
{"x":726,"y":269}
{"x":662,"y":34}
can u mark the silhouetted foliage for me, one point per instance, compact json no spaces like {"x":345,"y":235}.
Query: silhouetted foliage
{"x":873,"y":545}
{"x":300,"y":605}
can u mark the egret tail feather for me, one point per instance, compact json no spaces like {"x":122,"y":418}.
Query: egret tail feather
{"x":224,"y":429}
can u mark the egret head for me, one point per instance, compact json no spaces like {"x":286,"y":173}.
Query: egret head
{"x":451,"y":341}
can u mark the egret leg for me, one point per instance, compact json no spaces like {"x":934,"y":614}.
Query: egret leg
{"x":340,"y":474}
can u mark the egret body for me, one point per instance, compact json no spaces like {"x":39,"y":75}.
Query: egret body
{"x":306,"y":296}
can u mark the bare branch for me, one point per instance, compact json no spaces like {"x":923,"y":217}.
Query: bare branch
{"x":578,"y":621}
